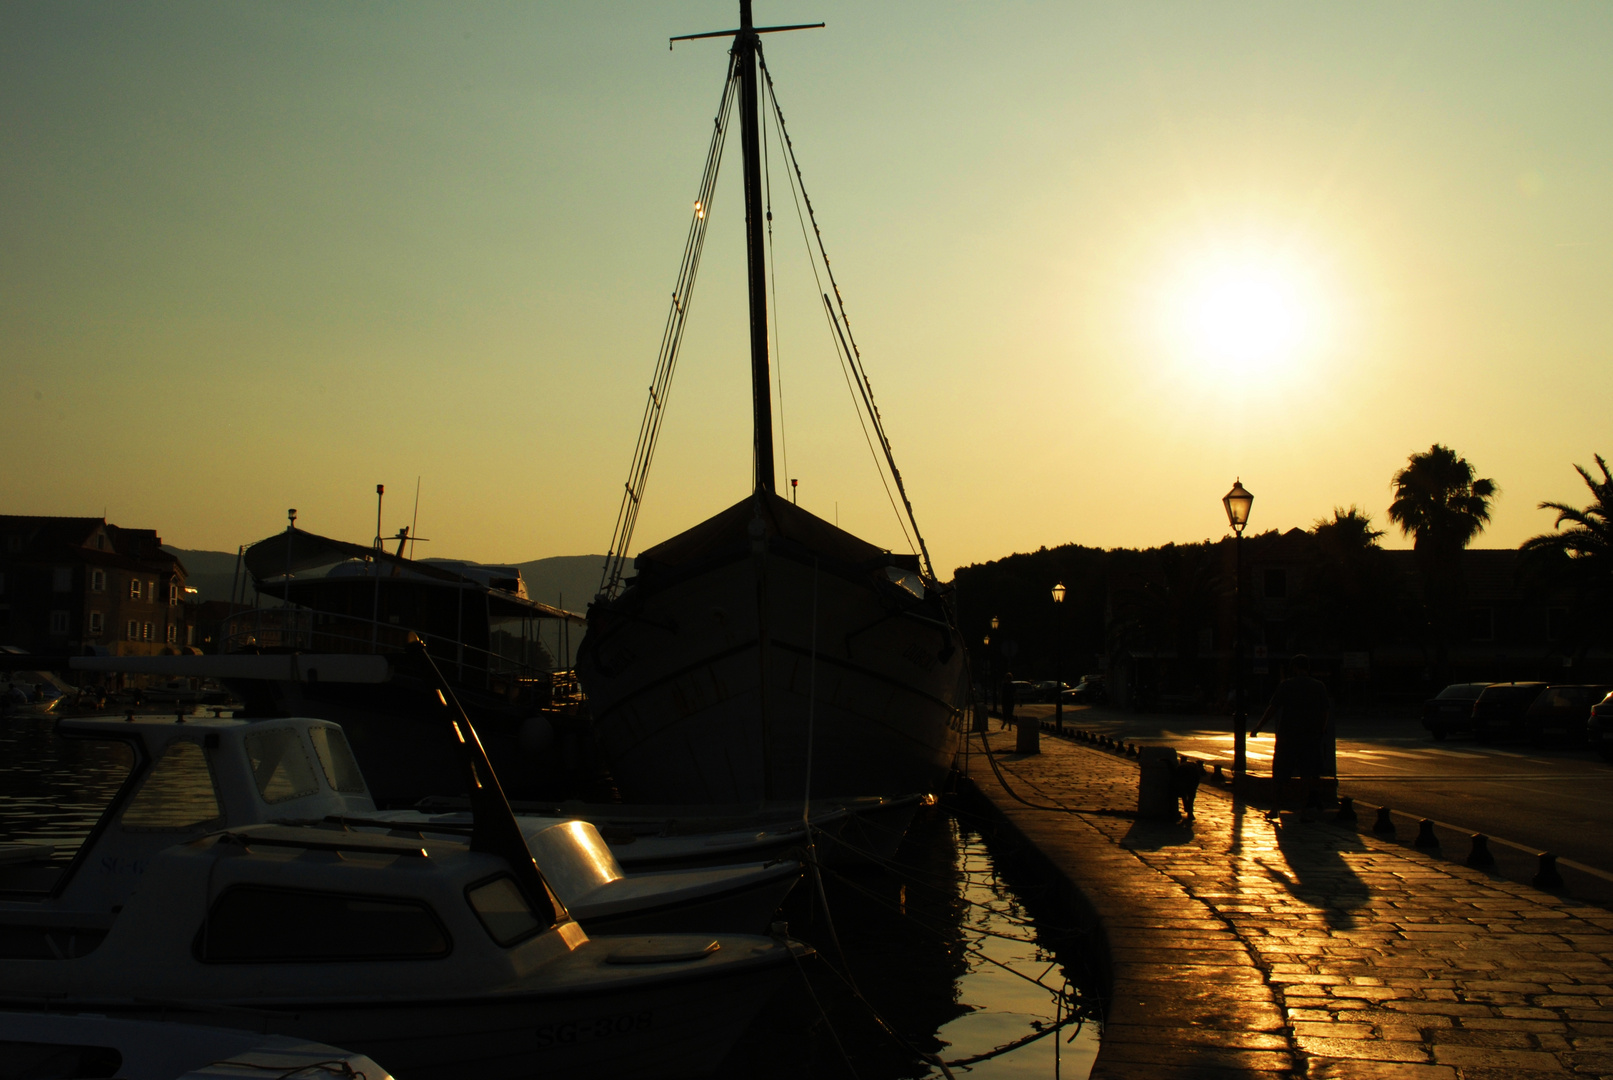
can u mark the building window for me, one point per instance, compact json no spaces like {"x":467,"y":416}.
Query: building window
{"x":1276,"y":584}
{"x":190,"y":635}
{"x":1481,"y":624}
{"x":61,"y":579}
{"x":151,"y":591}
{"x":145,"y":631}
{"x":134,"y":630}
{"x":173,"y":634}
{"x":173,"y":594}
{"x":100,"y":541}
{"x":58,"y":622}
{"x":98,"y":581}
{"x":97,"y":622}
{"x":134,"y":588}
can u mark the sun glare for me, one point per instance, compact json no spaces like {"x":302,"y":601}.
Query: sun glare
{"x":1246,"y":317}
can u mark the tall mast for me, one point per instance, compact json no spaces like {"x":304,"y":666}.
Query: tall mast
{"x":745,"y":47}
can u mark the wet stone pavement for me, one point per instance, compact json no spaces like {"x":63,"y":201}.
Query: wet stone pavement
{"x":1242,"y":948}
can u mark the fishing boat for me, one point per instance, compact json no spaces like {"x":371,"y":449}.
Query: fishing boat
{"x":766,"y":646}
{"x":442,"y":957}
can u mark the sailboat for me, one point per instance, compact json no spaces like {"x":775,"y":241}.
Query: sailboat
{"x":765,"y":653}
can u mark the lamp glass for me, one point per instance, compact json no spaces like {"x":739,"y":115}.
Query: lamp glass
{"x":994,"y":622}
{"x":1058,"y":593}
{"x":1238,"y":502}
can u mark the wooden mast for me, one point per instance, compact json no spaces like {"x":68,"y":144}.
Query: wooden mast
{"x":745,"y":47}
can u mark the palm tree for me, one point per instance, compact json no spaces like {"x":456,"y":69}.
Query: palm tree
{"x":1440,"y":503}
{"x":1579,"y":557}
{"x":1438,"y":500}
{"x":1347,"y":586}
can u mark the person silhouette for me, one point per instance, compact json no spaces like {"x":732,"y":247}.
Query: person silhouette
{"x":1303,"y":712}
{"x":1007,"y":698}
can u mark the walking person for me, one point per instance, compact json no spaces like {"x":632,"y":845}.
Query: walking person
{"x":1006,"y":697}
{"x":1303,"y":715}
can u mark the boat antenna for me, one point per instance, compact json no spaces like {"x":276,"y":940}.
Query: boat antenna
{"x":413,"y":529}
{"x":493,"y":825}
{"x":380,"y":493}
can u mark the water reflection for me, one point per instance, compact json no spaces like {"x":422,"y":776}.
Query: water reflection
{"x":961,"y":957}
{"x":52,"y":790}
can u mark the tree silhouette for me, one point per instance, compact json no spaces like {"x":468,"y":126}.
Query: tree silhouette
{"x":1440,"y":503}
{"x":1348,"y":578}
{"x":1579,"y":557}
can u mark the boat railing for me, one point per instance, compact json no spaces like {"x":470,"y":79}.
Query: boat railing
{"x":295,"y":629}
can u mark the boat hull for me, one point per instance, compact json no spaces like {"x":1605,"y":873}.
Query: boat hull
{"x":714,"y":685}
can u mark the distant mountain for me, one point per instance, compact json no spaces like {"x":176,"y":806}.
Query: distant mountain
{"x":573,"y":579}
{"x":568,"y":581}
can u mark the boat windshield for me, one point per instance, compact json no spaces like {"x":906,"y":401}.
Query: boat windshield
{"x":336,"y":758}
{"x":280,"y":765}
{"x":178,"y":793}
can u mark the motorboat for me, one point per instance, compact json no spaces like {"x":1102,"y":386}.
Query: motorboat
{"x":765,"y":653}
{"x":300,"y":770}
{"x":72,"y":1045}
{"x":441,"y":957}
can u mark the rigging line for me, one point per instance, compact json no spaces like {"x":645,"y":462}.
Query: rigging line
{"x":772,"y":280}
{"x":796,"y":195}
{"x":671,"y":341}
{"x":841,"y":352}
{"x":840,"y":302}
{"x":840,"y":356}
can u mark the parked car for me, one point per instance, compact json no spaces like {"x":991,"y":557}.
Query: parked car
{"x":1089,"y":691}
{"x":1049,"y":690}
{"x":1501,"y":707}
{"x":1560,"y":714}
{"x":1451,"y":710}
{"x":1599,"y":728}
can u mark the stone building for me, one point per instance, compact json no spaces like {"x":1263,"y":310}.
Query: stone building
{"x":79,"y":585}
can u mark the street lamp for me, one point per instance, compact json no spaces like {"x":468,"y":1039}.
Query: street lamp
{"x":1058,"y":667}
{"x":992,"y":693}
{"x":1238,"y":502}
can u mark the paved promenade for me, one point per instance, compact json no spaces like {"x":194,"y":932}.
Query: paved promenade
{"x":1239,"y":948}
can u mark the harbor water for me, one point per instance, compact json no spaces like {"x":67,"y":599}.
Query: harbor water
{"x":954,"y":956}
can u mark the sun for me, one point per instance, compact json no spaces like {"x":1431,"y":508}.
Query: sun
{"x":1248,"y":316}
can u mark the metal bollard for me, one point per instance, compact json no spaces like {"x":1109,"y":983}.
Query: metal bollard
{"x":1425,"y":835}
{"x":1385,"y":825}
{"x":1480,"y":858}
{"x":1346,"y":811}
{"x":1547,"y":876}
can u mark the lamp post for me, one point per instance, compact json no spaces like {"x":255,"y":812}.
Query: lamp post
{"x":991,"y":669}
{"x":1238,"y":502}
{"x":1058,"y":659}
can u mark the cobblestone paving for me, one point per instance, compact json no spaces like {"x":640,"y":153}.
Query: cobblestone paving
{"x":1240,"y":947}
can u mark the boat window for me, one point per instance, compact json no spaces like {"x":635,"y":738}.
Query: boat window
{"x":336,"y":758}
{"x":257,"y":924}
{"x":503,"y":910}
{"x":178,"y":793}
{"x":280,"y":765}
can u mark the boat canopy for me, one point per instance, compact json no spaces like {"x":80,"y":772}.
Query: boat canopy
{"x":270,"y":560}
{"x":780,"y":518}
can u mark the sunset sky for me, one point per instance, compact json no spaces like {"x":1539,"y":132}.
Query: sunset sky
{"x":1101,"y":259}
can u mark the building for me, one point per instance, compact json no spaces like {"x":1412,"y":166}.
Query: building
{"x":78,"y":585}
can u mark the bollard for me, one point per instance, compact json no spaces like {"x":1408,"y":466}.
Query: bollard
{"x":1029,"y":738}
{"x":1384,"y":826}
{"x":1131,"y":749}
{"x":980,"y":719}
{"x":1547,"y":876}
{"x":1480,"y":858}
{"x":1155,"y":799}
{"x":1346,"y":811}
{"x":1219,"y":777}
{"x":1425,"y":835}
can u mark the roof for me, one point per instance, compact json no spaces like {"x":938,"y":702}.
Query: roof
{"x":49,"y":538}
{"x":780,"y":519}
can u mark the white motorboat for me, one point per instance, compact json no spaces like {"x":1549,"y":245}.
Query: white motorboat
{"x":299,"y":770}
{"x":441,"y":957}
{"x":82,"y":1045}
